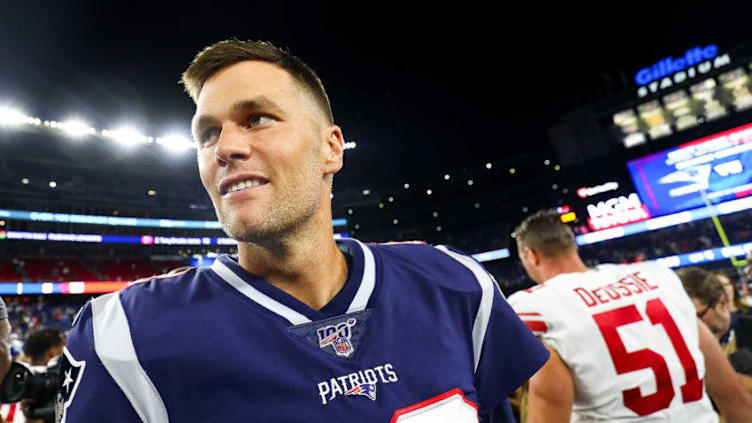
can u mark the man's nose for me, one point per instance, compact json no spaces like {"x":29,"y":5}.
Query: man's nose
{"x":233,"y":145}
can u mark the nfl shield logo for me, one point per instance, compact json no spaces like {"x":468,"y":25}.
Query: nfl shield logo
{"x":338,"y":336}
{"x":343,"y":346}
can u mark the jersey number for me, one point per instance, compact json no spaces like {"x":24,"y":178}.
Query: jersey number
{"x":626,"y":362}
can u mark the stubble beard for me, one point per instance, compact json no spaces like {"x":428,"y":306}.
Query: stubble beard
{"x":287,"y":216}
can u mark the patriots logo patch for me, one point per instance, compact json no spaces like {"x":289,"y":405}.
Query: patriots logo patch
{"x":71,"y":371}
{"x":365,"y":389}
{"x":339,"y":335}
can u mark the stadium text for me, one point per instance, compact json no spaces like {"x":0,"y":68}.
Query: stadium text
{"x":585,"y":192}
{"x":670,"y":65}
{"x":616,"y":212}
{"x":683,"y":75}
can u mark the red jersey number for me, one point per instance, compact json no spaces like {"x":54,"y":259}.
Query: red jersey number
{"x":626,"y":362}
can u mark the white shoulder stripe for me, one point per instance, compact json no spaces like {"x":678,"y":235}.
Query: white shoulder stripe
{"x":368,"y":282}
{"x":486,"y":300}
{"x":114,"y":346}
{"x":263,"y":300}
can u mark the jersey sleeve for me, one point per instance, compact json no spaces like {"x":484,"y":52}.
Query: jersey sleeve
{"x":86,"y":392}
{"x":532,"y":310}
{"x":511,"y":354}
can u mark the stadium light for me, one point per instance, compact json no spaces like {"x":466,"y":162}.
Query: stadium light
{"x":176,"y":143}
{"x":127,"y":136}
{"x":13,"y":117}
{"x":350,"y":145}
{"x":77,"y":128}
{"x":74,"y":128}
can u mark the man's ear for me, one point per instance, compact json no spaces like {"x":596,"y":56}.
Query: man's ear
{"x":332,"y":149}
{"x":532,"y":255}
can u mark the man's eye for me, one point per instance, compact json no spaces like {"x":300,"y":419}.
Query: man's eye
{"x":208,"y":136}
{"x":257,"y":120}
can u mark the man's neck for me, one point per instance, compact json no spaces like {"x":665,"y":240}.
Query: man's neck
{"x":307,"y":265}
{"x":570,"y":263}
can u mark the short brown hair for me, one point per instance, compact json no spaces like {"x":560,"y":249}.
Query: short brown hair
{"x":701,"y":285}
{"x":228,"y":52}
{"x":41,"y":341}
{"x":544,"y":232}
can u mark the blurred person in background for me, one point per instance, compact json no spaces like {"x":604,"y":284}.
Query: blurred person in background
{"x":40,"y":347}
{"x":712,"y":304}
{"x":605,"y":326}
{"x":7,"y":411}
{"x":709,"y":299}
{"x":44,"y":344}
{"x":739,"y":334}
{"x":737,"y":299}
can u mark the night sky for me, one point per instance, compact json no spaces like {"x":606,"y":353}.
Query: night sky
{"x":420,"y":89}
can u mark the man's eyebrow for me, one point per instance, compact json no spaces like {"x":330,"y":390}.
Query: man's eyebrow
{"x":257,"y":103}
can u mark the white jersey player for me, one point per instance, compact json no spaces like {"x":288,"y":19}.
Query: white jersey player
{"x":625,"y":342}
{"x":11,"y":413}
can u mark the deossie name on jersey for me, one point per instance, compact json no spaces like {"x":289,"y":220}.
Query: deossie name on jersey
{"x":362,"y":382}
{"x":627,"y":286}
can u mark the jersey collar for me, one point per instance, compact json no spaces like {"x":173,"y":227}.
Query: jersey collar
{"x":353,"y":297}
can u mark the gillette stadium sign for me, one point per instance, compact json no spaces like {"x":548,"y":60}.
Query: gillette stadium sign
{"x":670,"y":71}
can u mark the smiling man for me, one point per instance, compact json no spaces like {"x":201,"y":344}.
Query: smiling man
{"x":298,"y":328}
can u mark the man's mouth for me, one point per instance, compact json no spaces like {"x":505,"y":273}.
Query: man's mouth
{"x":245,"y":184}
{"x":239,"y":185}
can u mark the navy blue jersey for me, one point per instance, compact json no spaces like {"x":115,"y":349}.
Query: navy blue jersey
{"x":417,"y":334}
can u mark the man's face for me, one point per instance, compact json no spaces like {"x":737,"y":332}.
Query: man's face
{"x":717,"y":317}
{"x":728,"y":285}
{"x":259,"y":144}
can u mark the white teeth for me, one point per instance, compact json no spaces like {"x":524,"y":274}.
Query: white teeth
{"x":244,"y":184}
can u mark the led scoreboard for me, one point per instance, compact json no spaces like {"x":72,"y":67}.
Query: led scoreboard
{"x":717,"y":167}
